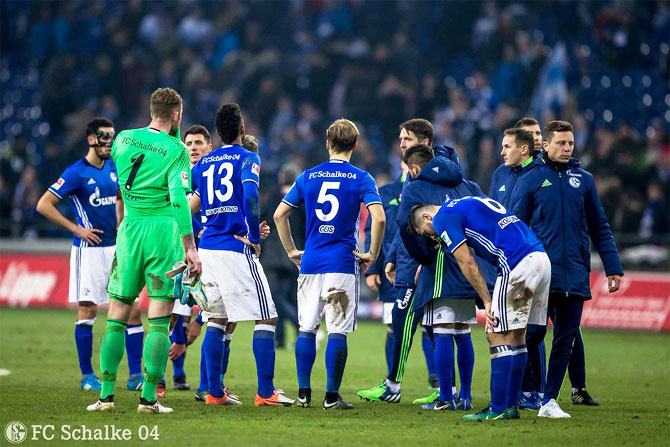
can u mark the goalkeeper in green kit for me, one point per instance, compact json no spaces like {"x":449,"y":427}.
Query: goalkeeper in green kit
{"x":154,"y":177}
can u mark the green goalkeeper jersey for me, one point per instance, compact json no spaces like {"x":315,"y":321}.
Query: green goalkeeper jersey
{"x":154,"y":175}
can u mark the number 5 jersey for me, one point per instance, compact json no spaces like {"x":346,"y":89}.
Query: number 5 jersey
{"x":332,"y":193}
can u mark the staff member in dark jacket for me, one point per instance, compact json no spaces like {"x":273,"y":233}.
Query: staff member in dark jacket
{"x":374,"y":277}
{"x":518,"y":161}
{"x":517,"y":152}
{"x":403,"y":274}
{"x":519,"y":147}
{"x":560,"y":202}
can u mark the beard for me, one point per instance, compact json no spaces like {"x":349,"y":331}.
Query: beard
{"x":103,"y":153}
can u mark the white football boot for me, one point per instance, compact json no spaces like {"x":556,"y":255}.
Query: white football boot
{"x":101,"y":406}
{"x":552,"y":410}
{"x":156,"y":408}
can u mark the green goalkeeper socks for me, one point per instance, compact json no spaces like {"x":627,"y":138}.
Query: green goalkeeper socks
{"x":112,"y":346}
{"x":156,"y":348}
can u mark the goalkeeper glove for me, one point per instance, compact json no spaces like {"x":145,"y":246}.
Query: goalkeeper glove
{"x":187,"y":289}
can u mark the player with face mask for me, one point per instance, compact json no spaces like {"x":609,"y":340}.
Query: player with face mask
{"x":92,"y":187}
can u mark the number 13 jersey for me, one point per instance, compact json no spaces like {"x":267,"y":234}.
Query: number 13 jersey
{"x":218,"y":179}
{"x":332,"y":193}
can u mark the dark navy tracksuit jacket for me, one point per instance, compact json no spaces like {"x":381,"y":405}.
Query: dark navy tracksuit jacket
{"x":435,"y":184}
{"x":504,"y":181}
{"x":561,"y":204}
{"x":390,"y":195}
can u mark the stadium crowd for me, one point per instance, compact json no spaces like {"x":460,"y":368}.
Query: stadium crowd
{"x":295,"y":65}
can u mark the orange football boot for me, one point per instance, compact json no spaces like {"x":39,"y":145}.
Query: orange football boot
{"x":276,"y":400}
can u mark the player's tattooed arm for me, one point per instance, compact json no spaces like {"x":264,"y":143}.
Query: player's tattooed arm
{"x":188,"y":241}
{"x":191,"y":254}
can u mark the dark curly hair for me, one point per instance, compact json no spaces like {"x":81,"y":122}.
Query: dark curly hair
{"x":228,"y":122}
{"x":96,"y":123}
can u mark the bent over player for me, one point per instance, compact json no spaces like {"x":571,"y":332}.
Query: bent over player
{"x":329,"y":266}
{"x":154,"y":179}
{"x":520,"y":293}
{"x":92,"y":186}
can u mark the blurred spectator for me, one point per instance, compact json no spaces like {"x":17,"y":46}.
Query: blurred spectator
{"x":26,"y":194}
{"x":5,"y":207}
{"x":655,"y":220}
{"x":53,"y":163}
{"x":472,"y":68}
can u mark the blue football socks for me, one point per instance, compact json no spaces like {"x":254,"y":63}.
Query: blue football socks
{"x":134,"y":347}
{"x":336,"y":359}
{"x":204,"y":386}
{"x":305,"y":355}
{"x":519,"y":358}
{"x":83,"y":337}
{"x":179,"y":336}
{"x":465,"y":356}
{"x":444,"y":360}
{"x":428,"y":347}
{"x":226,"y":354}
{"x":213,"y":353}
{"x":501,"y":367}
{"x":264,"y":352}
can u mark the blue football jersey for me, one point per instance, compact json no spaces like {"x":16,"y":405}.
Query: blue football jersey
{"x":217,"y":179}
{"x":332,"y":193}
{"x":494,"y":233}
{"x":92,"y":192}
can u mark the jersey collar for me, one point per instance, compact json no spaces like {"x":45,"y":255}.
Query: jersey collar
{"x":88,"y":163}
{"x":337,"y":160}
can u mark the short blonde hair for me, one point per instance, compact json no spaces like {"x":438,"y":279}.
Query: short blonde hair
{"x":342,"y":135}
{"x":250,"y":143}
{"x":163,"y":103}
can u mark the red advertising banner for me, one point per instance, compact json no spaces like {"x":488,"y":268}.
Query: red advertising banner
{"x":38,"y":280}
{"x":642,"y":303}
{"x":33,"y":280}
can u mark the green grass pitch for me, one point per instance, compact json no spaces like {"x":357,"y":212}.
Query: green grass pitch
{"x":628,"y":373}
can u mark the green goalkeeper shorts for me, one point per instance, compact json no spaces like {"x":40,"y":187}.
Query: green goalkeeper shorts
{"x":146,"y":248}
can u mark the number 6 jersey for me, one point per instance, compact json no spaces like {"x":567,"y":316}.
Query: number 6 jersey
{"x":218,"y":179}
{"x":332,"y":193}
{"x":494,"y":233}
